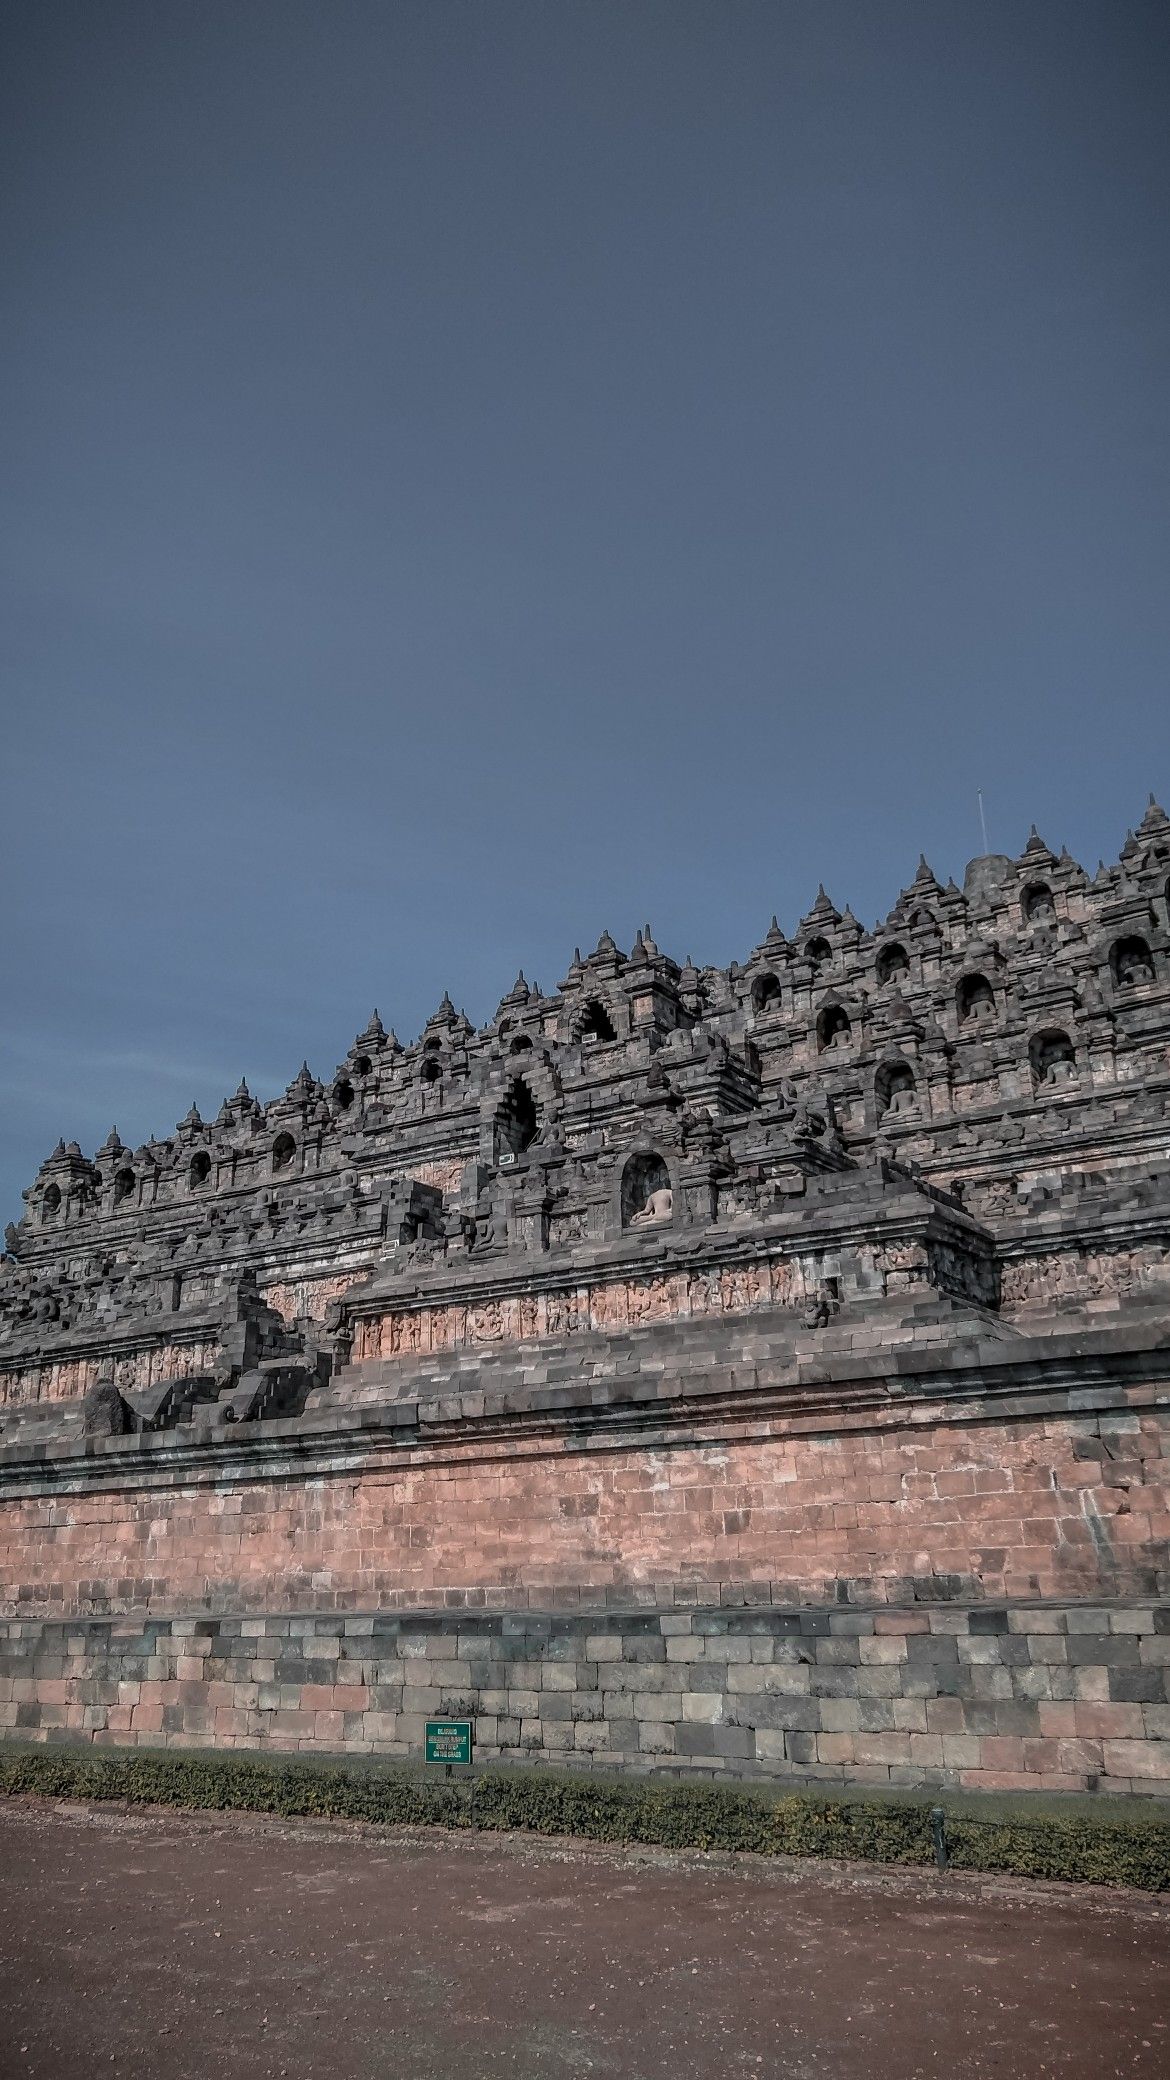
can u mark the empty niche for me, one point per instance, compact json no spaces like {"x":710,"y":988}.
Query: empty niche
{"x":596,"y":1025}
{"x":516,"y":1122}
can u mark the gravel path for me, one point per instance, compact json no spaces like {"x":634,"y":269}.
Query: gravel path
{"x":227,"y":1947}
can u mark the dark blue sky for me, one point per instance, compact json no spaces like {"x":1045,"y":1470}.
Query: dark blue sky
{"x":475,"y":474}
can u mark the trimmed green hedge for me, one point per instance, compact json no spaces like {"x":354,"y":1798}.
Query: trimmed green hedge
{"x":1091,"y":1842}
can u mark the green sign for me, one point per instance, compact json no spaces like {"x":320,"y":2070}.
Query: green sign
{"x":448,"y":1740}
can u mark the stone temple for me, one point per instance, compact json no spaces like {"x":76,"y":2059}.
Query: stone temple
{"x":759,"y":1370}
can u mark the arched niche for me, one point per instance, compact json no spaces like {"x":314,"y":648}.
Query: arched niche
{"x":1130,"y":962}
{"x":199,"y":1171}
{"x":895,"y":1090}
{"x":124,"y":1186}
{"x":343,"y":1094}
{"x":1053,"y":1059}
{"x":517,"y":1122}
{"x":647,"y":1198}
{"x":833,"y":1028}
{"x":893,"y":965}
{"x":50,"y":1204}
{"x":975,"y":1000}
{"x":1037,"y":904}
{"x":594,"y":1026}
{"x":431,"y":1066}
{"x":767,"y":994}
{"x":818,"y":953}
{"x":284,"y":1150}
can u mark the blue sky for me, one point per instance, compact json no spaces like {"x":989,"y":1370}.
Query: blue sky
{"x":477,"y":474}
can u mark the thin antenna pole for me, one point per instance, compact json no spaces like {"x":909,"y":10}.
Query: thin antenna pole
{"x":982,"y":818}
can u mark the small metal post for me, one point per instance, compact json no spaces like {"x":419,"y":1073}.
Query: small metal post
{"x":938,"y":1835}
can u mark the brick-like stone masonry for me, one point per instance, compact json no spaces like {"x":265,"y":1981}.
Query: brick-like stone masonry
{"x":1029,"y":1698}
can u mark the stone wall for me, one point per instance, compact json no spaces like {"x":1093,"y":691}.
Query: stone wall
{"x":661,"y":1503}
{"x":1037,"y":1697}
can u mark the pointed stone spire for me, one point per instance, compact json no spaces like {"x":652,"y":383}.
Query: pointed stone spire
{"x":518,"y":996}
{"x":191,"y":1120}
{"x":1154,"y":820}
{"x":773,"y":946}
{"x":926,"y":881}
{"x":824,"y":912}
{"x":303,"y":1085}
{"x":446,"y":1015}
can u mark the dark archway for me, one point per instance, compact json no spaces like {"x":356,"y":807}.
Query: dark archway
{"x":517,"y":1122}
{"x":199,"y":1171}
{"x":284,"y":1149}
{"x":597,"y":1026}
{"x":50,"y":1204}
{"x":766,"y":994}
{"x":124,"y":1183}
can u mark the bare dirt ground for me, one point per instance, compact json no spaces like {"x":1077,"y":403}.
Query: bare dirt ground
{"x":213,"y":1947}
